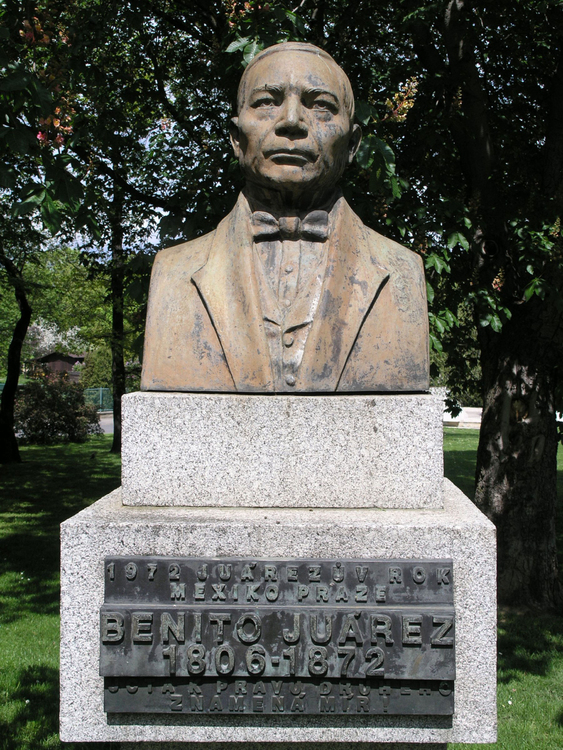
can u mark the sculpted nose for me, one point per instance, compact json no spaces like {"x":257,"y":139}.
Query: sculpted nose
{"x":291,"y":119}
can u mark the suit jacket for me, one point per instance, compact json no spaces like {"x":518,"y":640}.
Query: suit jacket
{"x":205,"y":328}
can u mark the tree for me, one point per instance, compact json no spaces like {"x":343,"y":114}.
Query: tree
{"x":491,"y":68}
{"x":474,"y":182}
{"x":462,"y":161}
{"x":16,"y":245}
{"x":36,"y":186}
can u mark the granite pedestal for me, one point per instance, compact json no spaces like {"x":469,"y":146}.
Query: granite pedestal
{"x":454,"y":529}
{"x":346,"y":451}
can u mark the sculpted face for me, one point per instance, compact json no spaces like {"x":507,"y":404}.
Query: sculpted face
{"x":293,"y":135}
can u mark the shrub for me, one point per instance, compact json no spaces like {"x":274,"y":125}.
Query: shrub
{"x":96,"y":370}
{"x":51,"y":409}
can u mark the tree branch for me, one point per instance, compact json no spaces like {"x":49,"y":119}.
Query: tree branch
{"x":177,"y":23}
{"x":471,"y":132}
{"x":203,"y":12}
{"x":318,"y":19}
{"x":131,"y":190}
{"x":169,"y":106}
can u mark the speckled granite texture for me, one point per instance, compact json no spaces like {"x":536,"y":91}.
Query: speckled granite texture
{"x":458,"y":531}
{"x":357,"y":451}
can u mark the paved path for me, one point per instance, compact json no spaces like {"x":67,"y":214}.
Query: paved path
{"x":106,"y":422}
{"x":469,"y":418}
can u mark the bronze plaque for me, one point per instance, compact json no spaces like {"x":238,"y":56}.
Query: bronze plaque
{"x":180,"y":634}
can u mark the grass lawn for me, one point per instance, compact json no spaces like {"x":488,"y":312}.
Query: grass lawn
{"x":55,"y":482}
{"x":52,"y":484}
{"x":530,"y":645}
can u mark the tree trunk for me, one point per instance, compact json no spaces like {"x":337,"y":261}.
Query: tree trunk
{"x":117,"y":330}
{"x":9,"y":452}
{"x":516,"y":460}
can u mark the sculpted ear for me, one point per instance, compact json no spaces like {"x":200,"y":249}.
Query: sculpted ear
{"x":354,"y":143}
{"x":234,"y":134}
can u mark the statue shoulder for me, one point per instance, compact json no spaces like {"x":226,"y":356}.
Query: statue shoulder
{"x":394,"y":256}
{"x":185,"y":258}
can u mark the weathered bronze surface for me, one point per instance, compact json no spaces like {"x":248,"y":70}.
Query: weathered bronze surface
{"x":173,"y":627}
{"x":260,"y":696}
{"x":291,"y":292}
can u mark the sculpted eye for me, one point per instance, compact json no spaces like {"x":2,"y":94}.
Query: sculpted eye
{"x":264,"y":101}
{"x":324,"y":105}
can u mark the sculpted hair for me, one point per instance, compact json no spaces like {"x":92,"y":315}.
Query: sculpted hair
{"x":299,"y":47}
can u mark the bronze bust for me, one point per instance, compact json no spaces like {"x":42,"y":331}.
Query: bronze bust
{"x":292,"y":292}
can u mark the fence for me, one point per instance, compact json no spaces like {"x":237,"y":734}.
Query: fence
{"x":100,"y":397}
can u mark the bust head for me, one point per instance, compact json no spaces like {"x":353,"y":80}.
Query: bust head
{"x":294,"y":133}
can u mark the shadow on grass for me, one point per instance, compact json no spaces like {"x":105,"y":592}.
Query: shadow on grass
{"x":35,"y":722}
{"x":52,"y":484}
{"x":527,"y":643}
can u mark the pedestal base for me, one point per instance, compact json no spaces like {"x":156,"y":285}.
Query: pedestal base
{"x":459,"y":532}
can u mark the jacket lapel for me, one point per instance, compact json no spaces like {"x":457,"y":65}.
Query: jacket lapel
{"x":228,"y":287}
{"x":353,"y":280}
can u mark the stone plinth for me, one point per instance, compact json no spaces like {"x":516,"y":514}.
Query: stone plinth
{"x":458,"y":531}
{"x":231,"y":450}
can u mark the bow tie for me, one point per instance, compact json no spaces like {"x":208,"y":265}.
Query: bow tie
{"x":314,"y":227}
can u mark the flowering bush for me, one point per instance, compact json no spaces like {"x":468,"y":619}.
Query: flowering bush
{"x":51,"y":409}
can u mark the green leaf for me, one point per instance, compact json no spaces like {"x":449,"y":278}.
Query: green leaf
{"x":17,"y":81}
{"x":449,"y":317}
{"x":33,"y":195}
{"x":385,"y":150}
{"x":496,"y":323}
{"x":435,"y":343}
{"x":85,"y":218}
{"x":536,"y":286}
{"x":68,"y":190}
{"x":364,"y":112}
{"x":250,"y":51}
{"x":20,"y":140}
{"x":440,"y":327}
{"x":297,"y":21}
{"x":429,"y":293}
{"x":365,"y":154}
{"x":456,"y":238}
{"x":238,"y":44}
{"x":462,"y":239}
{"x":434,"y":261}
{"x":51,"y":214}
{"x":21,"y":209}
